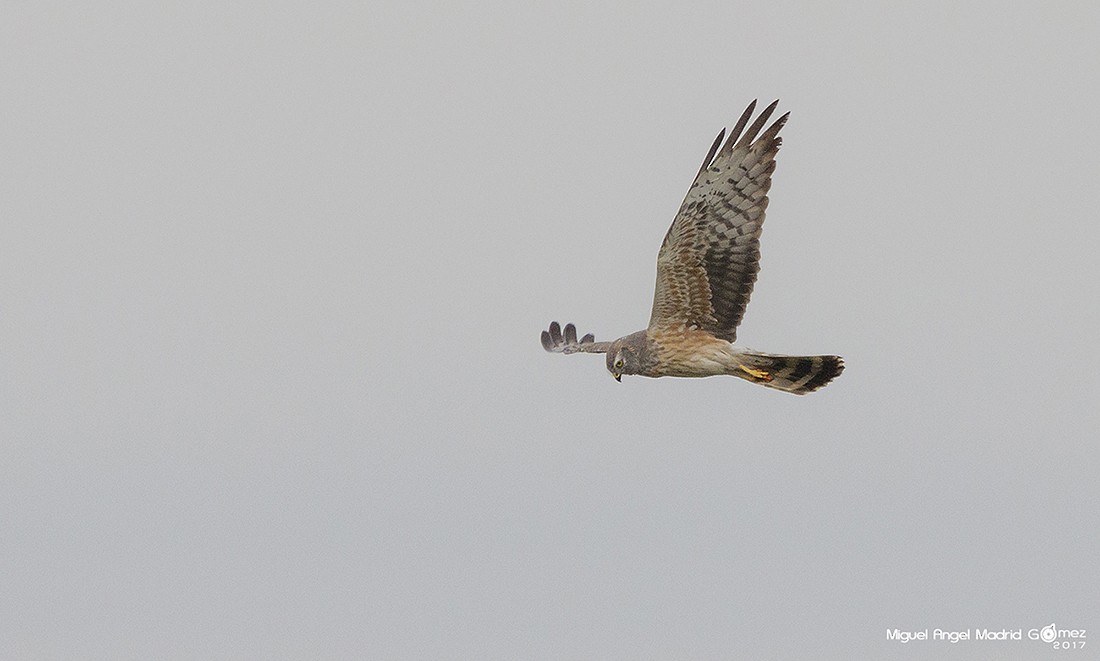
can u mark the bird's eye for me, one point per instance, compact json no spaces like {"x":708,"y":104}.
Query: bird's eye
{"x":619,"y":363}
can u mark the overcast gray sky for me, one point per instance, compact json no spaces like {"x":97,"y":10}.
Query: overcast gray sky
{"x":272,"y":278}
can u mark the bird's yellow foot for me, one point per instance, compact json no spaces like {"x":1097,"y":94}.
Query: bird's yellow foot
{"x":759,"y":374}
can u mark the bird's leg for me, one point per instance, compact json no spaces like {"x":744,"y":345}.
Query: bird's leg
{"x":756,"y":374}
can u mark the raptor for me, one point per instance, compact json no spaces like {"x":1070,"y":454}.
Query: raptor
{"x":706,"y":269}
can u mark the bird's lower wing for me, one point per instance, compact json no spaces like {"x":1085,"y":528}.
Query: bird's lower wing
{"x":554,"y":342}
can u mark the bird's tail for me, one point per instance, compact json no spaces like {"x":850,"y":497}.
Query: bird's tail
{"x":793,"y":374}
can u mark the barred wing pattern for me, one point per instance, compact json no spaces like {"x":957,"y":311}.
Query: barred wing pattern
{"x":707,"y":265}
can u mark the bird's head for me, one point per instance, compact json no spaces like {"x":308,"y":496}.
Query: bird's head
{"x":622,"y":359}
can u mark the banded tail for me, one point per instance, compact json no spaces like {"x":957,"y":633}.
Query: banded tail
{"x":793,"y":374}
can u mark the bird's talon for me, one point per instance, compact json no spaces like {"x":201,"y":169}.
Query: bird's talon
{"x":759,"y":374}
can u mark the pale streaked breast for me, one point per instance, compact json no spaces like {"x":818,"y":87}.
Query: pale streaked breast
{"x":691,"y":353}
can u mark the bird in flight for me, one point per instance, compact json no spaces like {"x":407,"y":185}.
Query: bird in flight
{"x":706,"y":269}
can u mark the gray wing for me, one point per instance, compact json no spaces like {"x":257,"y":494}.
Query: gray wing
{"x":708,"y":262}
{"x":554,"y":342}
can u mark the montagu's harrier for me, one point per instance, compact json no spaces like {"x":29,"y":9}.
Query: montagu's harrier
{"x":705,"y":273}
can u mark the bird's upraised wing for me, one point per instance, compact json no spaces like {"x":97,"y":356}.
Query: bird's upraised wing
{"x":709,"y":259}
{"x":554,"y":342}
